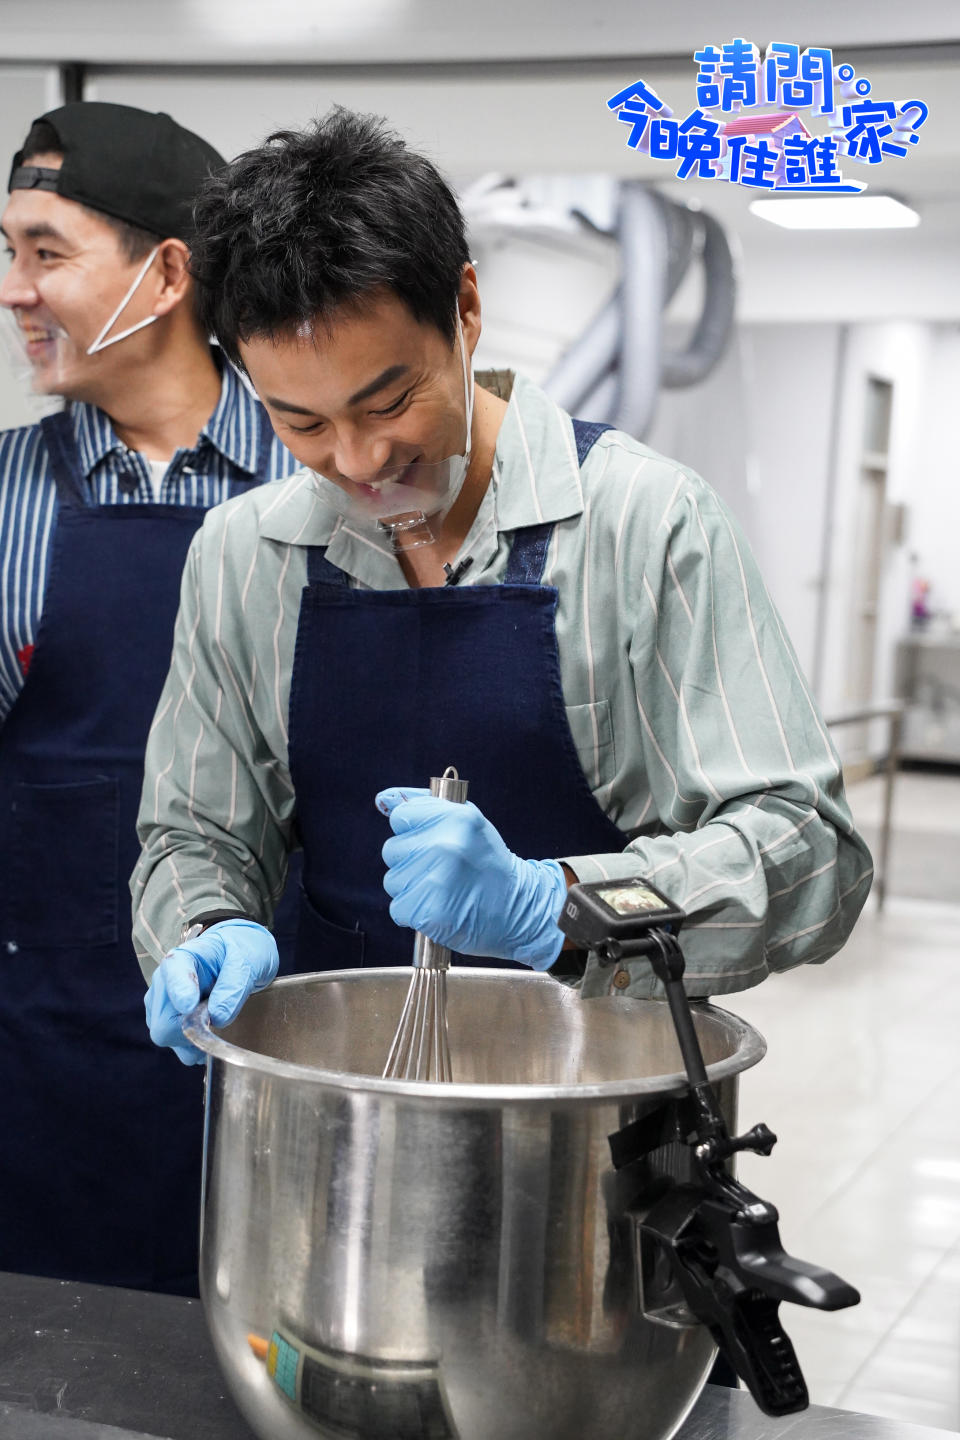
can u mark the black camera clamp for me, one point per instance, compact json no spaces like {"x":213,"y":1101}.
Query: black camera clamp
{"x":720,"y":1241}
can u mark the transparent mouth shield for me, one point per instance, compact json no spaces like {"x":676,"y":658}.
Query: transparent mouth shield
{"x":33,"y":348}
{"x":399,"y":499}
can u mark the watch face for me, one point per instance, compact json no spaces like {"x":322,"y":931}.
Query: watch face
{"x":631,"y":899}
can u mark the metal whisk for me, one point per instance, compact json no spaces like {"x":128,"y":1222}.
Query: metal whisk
{"x":421,"y":1048}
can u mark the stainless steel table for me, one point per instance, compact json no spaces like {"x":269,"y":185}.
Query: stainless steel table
{"x":90,"y":1362}
{"x":94,"y":1362}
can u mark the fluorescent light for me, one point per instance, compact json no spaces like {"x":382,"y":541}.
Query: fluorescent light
{"x":280,"y":22}
{"x":837,"y":212}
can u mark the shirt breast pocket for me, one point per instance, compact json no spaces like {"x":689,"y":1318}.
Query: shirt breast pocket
{"x":592,"y":731}
{"x":64,"y":880}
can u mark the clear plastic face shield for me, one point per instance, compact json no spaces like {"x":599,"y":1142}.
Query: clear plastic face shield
{"x":32,"y":348}
{"x":401,"y":497}
{"x":43,"y":355}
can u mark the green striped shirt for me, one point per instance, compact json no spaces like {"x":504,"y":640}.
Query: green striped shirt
{"x":694,"y":726}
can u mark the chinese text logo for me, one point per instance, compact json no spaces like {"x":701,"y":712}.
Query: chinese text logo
{"x":766,"y":144}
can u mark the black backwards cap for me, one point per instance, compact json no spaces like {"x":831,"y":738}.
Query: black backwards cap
{"x":131,"y":164}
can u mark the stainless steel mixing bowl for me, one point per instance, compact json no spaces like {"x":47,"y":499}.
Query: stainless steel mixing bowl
{"x":395,"y":1260}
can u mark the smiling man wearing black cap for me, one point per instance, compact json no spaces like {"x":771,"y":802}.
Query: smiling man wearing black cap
{"x":100,"y":1167}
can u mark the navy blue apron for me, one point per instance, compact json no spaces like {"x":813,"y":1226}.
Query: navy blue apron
{"x":101,"y":1152}
{"x":390,"y":687}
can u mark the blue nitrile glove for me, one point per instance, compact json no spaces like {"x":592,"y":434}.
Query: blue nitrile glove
{"x":452,"y":877}
{"x":227,"y":962}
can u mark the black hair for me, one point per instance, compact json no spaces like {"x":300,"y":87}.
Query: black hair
{"x":320,"y":219}
{"x":135,"y":242}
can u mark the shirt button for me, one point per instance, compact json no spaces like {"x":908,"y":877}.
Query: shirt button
{"x":622,"y":979}
{"x":12,"y":947}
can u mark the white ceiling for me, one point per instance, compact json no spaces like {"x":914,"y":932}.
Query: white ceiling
{"x":334,"y":32}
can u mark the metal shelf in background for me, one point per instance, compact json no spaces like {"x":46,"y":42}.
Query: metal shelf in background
{"x":891,"y":710}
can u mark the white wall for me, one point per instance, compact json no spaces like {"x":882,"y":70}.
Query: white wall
{"x":853,"y":275}
{"x":808,"y":480}
{"x":792,"y":382}
{"x":708,"y":427}
{"x":25,"y":93}
{"x":932,"y":471}
{"x":898,"y":353}
{"x":800,"y":432}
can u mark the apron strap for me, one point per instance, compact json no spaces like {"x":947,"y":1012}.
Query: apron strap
{"x":587,"y":433}
{"x":64,"y":460}
{"x":528,"y":554}
{"x":320,"y":571}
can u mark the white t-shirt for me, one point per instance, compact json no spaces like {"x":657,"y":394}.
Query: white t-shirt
{"x":158,"y":468}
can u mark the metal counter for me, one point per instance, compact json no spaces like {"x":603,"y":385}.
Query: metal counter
{"x":90,"y":1362}
{"x":928,"y":677}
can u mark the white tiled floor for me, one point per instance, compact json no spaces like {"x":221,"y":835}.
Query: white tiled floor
{"x":862,"y":1083}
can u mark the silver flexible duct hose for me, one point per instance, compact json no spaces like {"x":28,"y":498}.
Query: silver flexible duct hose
{"x":614,"y":371}
{"x":682,"y":231}
{"x":715,"y":325}
{"x":643,"y":294}
{"x":577,"y":373}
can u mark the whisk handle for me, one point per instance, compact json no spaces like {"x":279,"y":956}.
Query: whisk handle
{"x":426,"y":954}
{"x":449,"y":786}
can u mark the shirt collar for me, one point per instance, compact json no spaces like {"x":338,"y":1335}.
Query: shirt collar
{"x":233,"y":428}
{"x":538,"y":482}
{"x":95,"y":435}
{"x":295,"y":512}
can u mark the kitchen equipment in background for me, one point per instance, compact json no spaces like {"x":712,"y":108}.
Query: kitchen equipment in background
{"x":577,"y":274}
{"x":715,"y":1244}
{"x":456,"y":1260}
{"x":928,"y":678}
{"x":421,"y":1048}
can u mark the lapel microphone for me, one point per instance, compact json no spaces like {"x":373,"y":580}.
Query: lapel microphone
{"x":455,"y":574}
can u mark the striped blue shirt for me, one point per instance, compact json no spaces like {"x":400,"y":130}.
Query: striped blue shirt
{"x":218,"y":467}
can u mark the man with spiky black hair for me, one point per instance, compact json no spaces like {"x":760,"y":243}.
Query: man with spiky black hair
{"x":458,"y":575}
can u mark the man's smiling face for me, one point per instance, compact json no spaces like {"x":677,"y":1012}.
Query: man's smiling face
{"x":68,"y":272}
{"x":363,"y":397}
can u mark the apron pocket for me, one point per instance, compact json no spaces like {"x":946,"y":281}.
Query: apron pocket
{"x":64,"y":874}
{"x":592,"y":731}
{"x":321,"y":945}
{"x":286,"y":917}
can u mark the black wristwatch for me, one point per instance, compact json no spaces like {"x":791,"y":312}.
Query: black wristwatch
{"x":192,"y":928}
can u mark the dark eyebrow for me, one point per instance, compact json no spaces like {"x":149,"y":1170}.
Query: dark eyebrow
{"x":286,"y":405}
{"x":40,"y":231}
{"x":382,"y":381}
{"x":387,"y":377}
